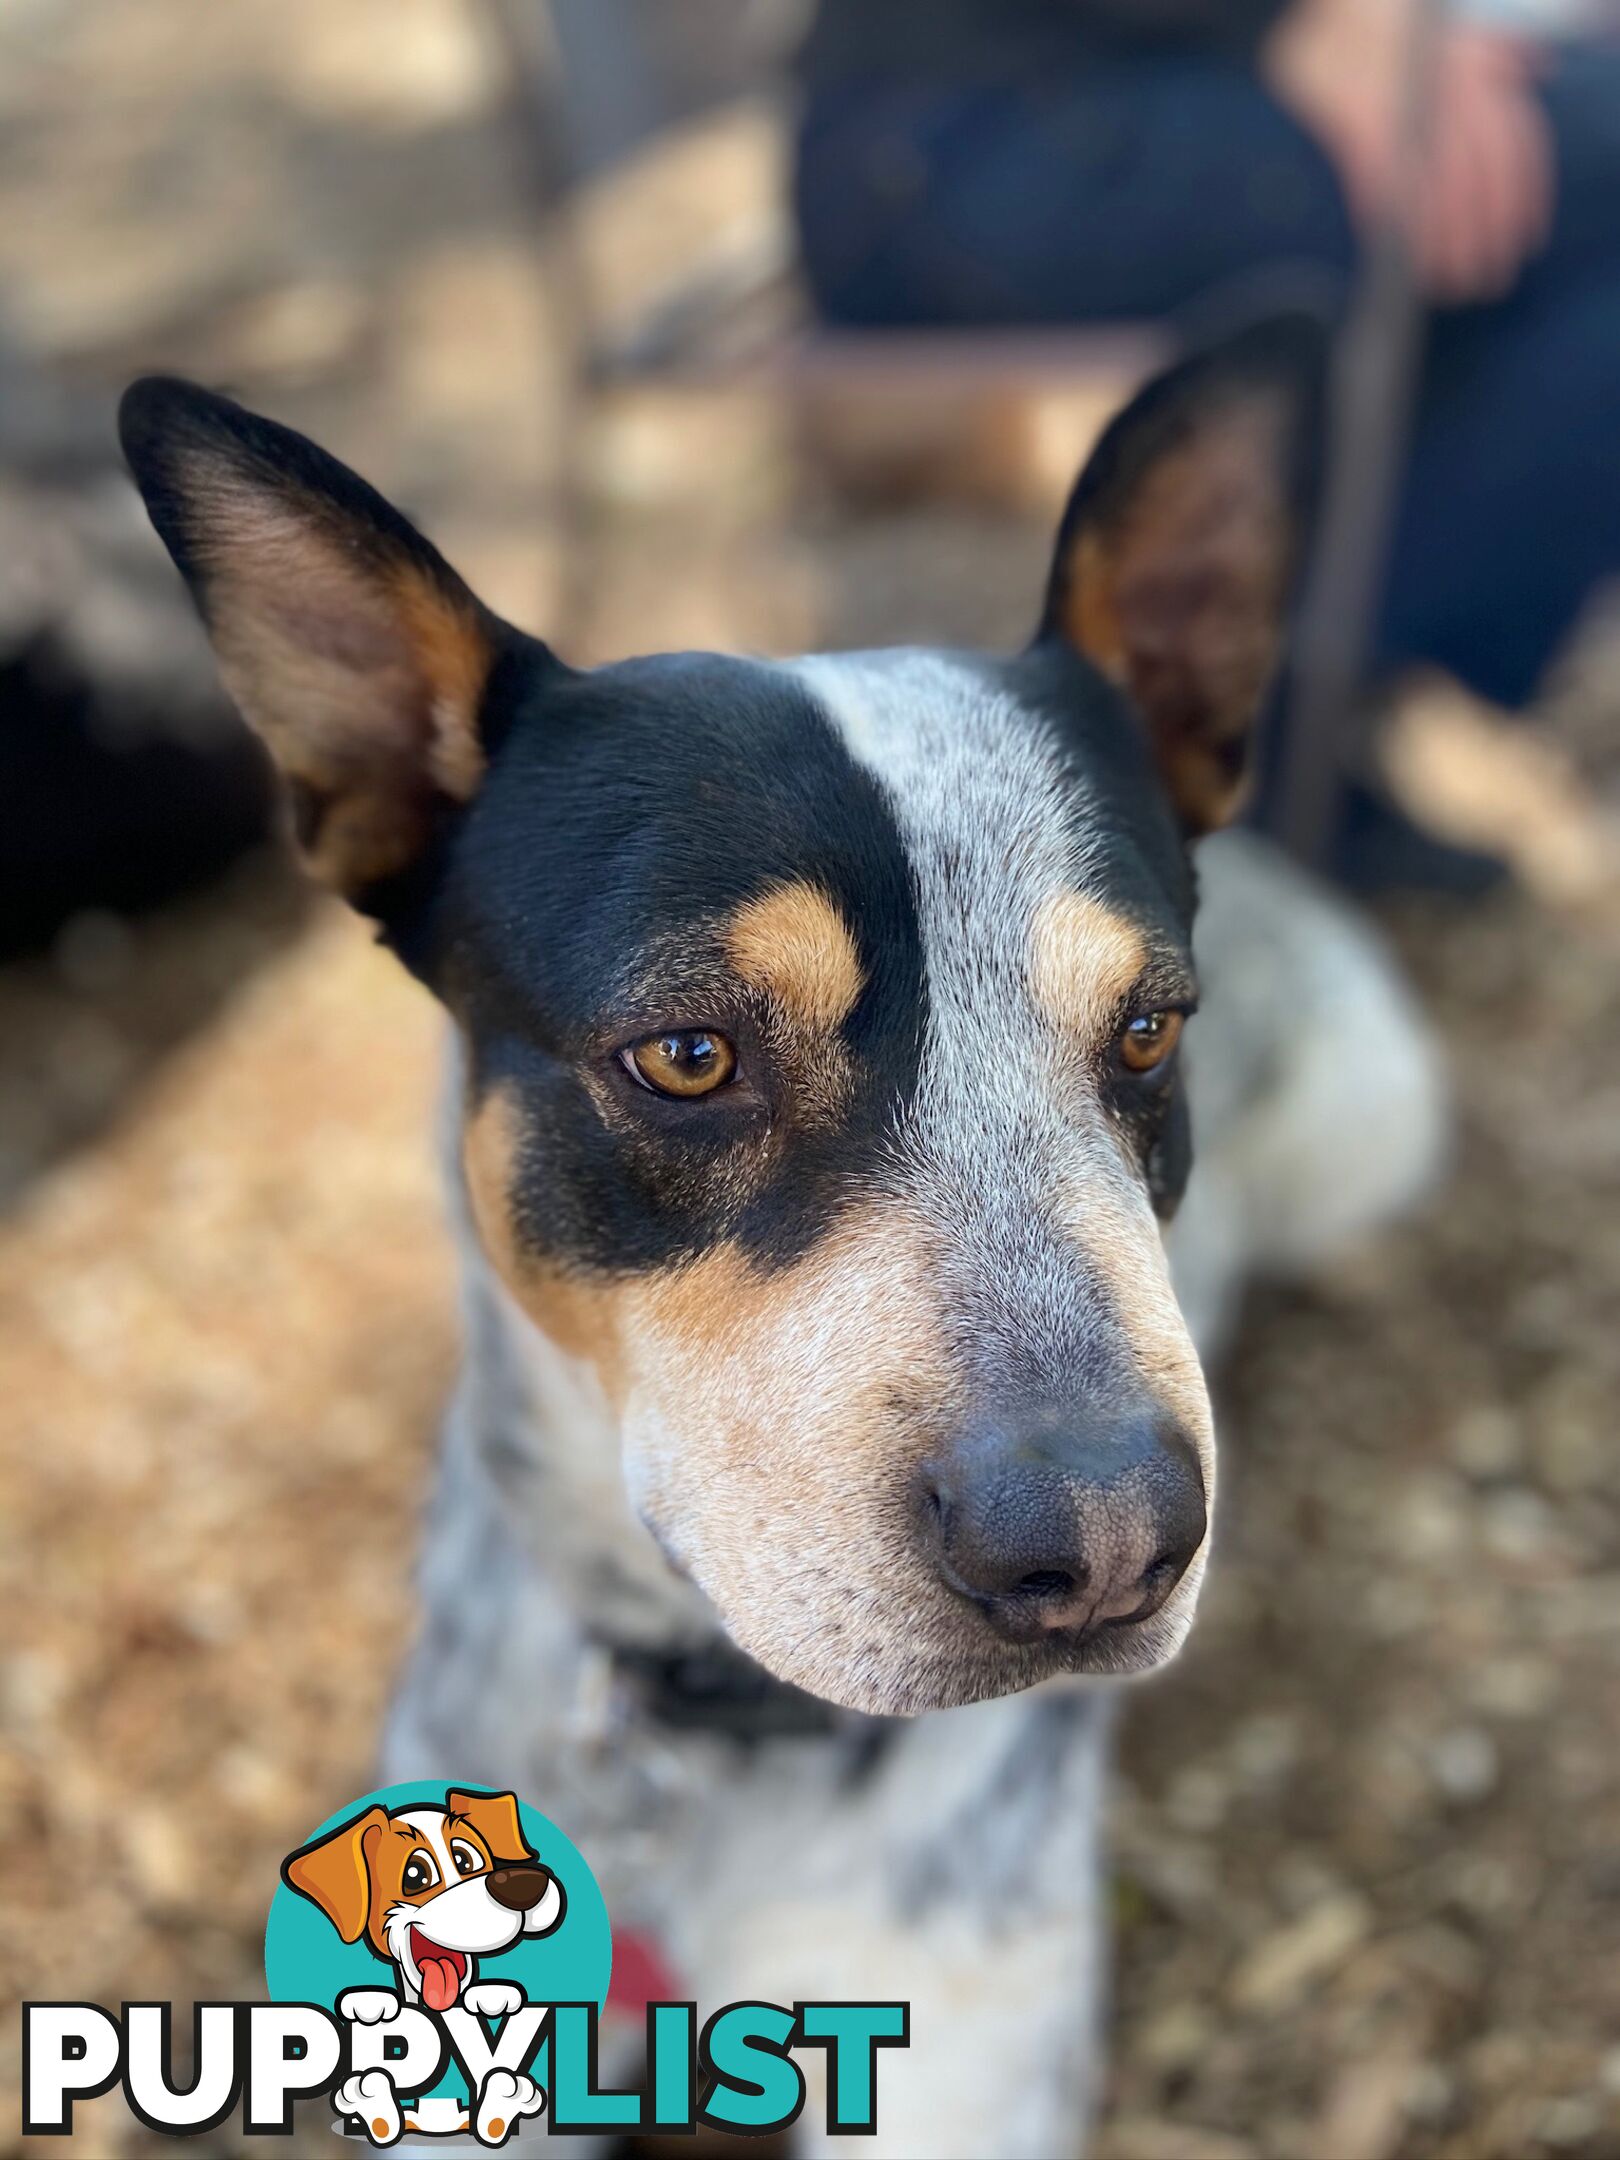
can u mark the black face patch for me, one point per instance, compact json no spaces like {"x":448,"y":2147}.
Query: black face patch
{"x":584,"y":902}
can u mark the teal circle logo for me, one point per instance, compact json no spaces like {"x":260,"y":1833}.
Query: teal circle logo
{"x":437,"y":1896}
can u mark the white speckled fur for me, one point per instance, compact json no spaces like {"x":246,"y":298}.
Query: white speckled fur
{"x":998,"y":1147}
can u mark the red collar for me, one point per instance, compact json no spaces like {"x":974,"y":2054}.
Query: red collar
{"x":641,"y":1975}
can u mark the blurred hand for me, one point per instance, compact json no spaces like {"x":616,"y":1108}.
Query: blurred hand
{"x":1477,"y":201}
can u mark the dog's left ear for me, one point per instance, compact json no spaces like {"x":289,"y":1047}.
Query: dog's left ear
{"x":1177,"y":556}
{"x":495,"y":1817}
{"x":334,"y":1872}
{"x":346,"y":640}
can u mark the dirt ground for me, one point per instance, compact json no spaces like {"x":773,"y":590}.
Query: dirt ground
{"x":1367,"y":1833}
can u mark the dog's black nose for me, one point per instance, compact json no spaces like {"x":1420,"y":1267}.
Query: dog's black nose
{"x":518,"y":1888}
{"x":1050,"y":1527}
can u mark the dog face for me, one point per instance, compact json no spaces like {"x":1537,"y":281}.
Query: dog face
{"x":431,"y":1888}
{"x":820,"y":1021}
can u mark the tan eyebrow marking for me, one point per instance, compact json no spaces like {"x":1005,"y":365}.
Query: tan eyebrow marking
{"x":1083,"y":962}
{"x":794,"y":945}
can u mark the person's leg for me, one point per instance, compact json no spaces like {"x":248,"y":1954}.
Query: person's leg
{"x":1133,"y":191}
{"x":1581,"y":93}
{"x":1510,"y":516}
{"x":1144,"y":189}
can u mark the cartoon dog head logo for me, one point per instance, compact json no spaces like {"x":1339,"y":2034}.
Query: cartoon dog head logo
{"x":431,"y":1889}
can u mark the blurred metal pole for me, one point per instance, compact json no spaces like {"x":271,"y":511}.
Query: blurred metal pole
{"x":1371,"y":407}
{"x":541,"y":146}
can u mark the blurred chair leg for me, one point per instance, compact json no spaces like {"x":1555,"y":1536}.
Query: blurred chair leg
{"x":1373,"y":400}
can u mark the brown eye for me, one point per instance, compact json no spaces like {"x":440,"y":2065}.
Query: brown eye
{"x":694,"y":1062}
{"x":1149,"y":1040}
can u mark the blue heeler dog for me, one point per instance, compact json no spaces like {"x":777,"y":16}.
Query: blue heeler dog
{"x":818,"y":1108}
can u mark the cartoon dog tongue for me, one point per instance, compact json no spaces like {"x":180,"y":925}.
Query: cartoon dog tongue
{"x":441,"y":1978}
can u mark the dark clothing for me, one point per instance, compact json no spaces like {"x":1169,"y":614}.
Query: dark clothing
{"x":970,"y":41}
{"x":1136,"y":187}
{"x":1127,"y":189}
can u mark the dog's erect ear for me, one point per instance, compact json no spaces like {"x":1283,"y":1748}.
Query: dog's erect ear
{"x":1178,"y":553}
{"x":495,"y":1817}
{"x":334,"y":1874}
{"x":344,"y":637}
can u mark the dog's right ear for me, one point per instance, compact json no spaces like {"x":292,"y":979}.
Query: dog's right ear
{"x":334,"y":1872}
{"x":347,"y":641}
{"x":1179,"y":550}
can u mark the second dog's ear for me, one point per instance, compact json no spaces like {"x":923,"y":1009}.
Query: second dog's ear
{"x":1177,"y":556}
{"x":334,"y":1872}
{"x":495,"y":1817}
{"x":347,"y":641}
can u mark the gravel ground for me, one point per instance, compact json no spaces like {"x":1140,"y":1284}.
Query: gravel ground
{"x":1367,"y":1833}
